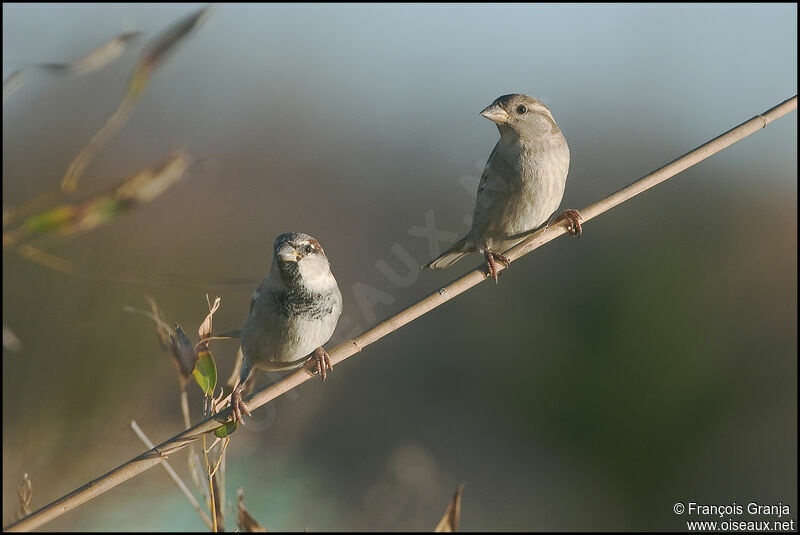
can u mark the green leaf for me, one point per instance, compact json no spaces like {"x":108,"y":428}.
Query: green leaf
{"x":205,"y":372}
{"x":98,"y":212}
{"x":138,"y":83}
{"x":52,"y":220}
{"x":227,"y":429}
{"x":106,"y":208}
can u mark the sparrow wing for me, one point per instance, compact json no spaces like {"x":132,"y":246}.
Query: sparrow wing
{"x":491,"y":189}
{"x":485,"y":176}
{"x":255,"y":297}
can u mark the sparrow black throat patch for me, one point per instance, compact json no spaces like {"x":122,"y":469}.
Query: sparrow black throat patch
{"x":301,"y":302}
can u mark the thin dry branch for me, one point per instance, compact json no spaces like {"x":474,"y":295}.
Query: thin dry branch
{"x":174,"y":476}
{"x":341,"y":352}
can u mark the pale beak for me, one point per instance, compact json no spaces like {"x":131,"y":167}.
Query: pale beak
{"x":496,"y":114}
{"x":287,"y":253}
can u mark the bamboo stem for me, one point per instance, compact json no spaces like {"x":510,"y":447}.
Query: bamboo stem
{"x":174,"y":476}
{"x":347,"y":349}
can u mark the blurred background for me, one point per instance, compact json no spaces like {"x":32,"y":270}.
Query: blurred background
{"x":653,"y":361}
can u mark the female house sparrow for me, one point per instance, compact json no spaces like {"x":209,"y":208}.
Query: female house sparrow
{"x":293,"y":312}
{"x":521,"y":186}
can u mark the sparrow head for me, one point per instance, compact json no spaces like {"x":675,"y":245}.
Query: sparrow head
{"x":521,"y":115}
{"x":301,"y":261}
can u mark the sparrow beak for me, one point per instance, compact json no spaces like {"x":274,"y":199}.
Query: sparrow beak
{"x":496,"y":114}
{"x":287,"y":253}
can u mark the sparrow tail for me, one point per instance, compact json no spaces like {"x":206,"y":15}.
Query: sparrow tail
{"x":450,"y":256}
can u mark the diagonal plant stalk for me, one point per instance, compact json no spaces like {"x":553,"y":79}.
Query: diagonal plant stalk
{"x":347,"y":349}
{"x":174,"y":476}
{"x":153,"y":56}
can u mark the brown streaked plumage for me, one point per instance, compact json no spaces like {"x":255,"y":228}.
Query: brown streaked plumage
{"x":522,"y":183}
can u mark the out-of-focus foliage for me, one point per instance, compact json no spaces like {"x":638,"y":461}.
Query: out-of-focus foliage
{"x":98,"y":58}
{"x":245,"y":520}
{"x":153,"y":56}
{"x":103,"y":208}
{"x":10,"y":340}
{"x":449,"y":522}
{"x":12,"y":83}
{"x":25,"y":493}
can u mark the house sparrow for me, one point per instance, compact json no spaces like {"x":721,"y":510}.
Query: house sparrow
{"x":293,"y":312}
{"x":521,"y":186}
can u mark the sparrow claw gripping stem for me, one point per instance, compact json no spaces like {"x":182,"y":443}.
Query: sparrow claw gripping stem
{"x":492,"y":259}
{"x":322,"y":363}
{"x":574,"y":218}
{"x":238,"y":405}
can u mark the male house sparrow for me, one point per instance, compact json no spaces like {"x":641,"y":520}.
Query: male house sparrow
{"x":521,"y":186}
{"x":293,"y":312}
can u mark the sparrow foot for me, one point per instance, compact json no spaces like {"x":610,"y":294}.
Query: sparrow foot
{"x":492,"y":259}
{"x":574,"y":219}
{"x":322,"y":363}
{"x":238,"y":405}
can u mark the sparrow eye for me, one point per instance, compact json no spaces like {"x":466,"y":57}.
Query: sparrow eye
{"x":308,"y":249}
{"x":521,"y":109}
